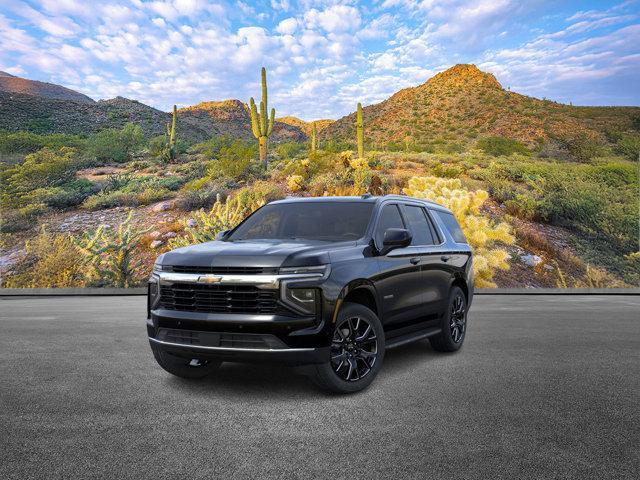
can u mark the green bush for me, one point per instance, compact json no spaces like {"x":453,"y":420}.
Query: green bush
{"x":121,"y":198}
{"x":581,"y":146}
{"x":28,"y":142}
{"x":233,"y":160}
{"x":498,"y":146}
{"x":44,"y":169}
{"x":116,"y":145}
{"x":16,"y":220}
{"x":629,"y":146}
{"x":288,"y":150}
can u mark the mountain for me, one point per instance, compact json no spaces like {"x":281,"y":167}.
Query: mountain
{"x":305,"y":126}
{"x":48,"y":108}
{"x":464,"y":103}
{"x":232,"y":117}
{"x":16,"y":85}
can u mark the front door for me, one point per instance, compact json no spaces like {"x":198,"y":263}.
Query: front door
{"x":399,"y":282}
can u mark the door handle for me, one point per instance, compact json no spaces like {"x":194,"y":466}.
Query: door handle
{"x":415,"y":260}
{"x":445,"y":258}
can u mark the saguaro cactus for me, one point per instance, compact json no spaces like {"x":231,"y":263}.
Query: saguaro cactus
{"x":260,"y":124}
{"x":360,"y":132}
{"x":171,"y":135}
{"x":314,"y":140}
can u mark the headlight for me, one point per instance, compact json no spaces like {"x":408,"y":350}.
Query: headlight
{"x":320,"y":270}
{"x":302,"y":299}
{"x":157,"y":267}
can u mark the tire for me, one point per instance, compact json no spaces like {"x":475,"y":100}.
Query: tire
{"x":454,"y":323}
{"x":351,"y":367}
{"x":181,"y":367}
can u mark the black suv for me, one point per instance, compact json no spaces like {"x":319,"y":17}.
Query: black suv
{"x":328,"y":283}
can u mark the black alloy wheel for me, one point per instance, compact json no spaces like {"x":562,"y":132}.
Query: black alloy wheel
{"x":457,"y":317}
{"x":354,"y":349}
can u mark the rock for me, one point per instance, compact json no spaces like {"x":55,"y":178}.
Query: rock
{"x":191,"y":223}
{"x":156,"y":243}
{"x":162,"y":206}
{"x":531,"y":260}
{"x":548,"y":267}
{"x":155,"y":234}
{"x":170,"y":235}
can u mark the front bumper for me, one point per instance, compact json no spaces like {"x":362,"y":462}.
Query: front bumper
{"x":233,"y":347}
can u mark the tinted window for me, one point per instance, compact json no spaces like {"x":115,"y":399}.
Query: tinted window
{"x":452,"y":225}
{"x":419,"y":227}
{"x":323,"y":221}
{"x":389,"y":218}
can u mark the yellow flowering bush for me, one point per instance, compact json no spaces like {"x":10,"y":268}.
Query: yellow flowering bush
{"x":482,"y":233}
{"x":295,"y":183}
{"x":204,"y":226}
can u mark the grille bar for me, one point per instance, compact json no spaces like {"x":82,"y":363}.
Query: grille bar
{"x":218,"y":298}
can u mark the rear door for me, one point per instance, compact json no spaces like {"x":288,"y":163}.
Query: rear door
{"x":399,"y":280}
{"x":435,"y":274}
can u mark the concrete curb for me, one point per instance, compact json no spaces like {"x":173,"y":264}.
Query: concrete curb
{"x":47,"y":292}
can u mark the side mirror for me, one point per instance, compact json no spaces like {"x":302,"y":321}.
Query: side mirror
{"x":395,"y":238}
{"x":222,"y":234}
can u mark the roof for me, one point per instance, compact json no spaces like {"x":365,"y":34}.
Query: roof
{"x":363,"y":198}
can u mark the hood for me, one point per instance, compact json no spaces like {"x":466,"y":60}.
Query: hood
{"x":264,"y":253}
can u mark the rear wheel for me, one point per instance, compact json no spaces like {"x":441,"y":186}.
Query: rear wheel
{"x":356,"y":353}
{"x":454,"y":323}
{"x":183,"y":367}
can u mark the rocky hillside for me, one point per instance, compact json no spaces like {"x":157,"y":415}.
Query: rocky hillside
{"x":46,"y":108}
{"x":232,"y":117}
{"x":11,"y":84}
{"x":464,"y":103}
{"x":305,"y":126}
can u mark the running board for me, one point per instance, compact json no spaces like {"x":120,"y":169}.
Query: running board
{"x":411,"y":337}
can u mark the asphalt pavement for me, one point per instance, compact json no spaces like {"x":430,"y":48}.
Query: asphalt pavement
{"x":545,"y":387}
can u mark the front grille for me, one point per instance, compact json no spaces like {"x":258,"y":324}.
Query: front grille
{"x":219,"y":298}
{"x":224,"y":270}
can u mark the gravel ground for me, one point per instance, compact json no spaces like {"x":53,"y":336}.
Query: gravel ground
{"x":545,"y":387}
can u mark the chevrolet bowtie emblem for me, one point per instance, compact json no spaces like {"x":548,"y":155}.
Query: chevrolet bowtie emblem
{"x":209,"y":279}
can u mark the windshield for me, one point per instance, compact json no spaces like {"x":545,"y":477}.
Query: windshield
{"x":323,"y":221}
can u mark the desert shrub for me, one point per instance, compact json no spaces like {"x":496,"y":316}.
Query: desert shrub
{"x":52,"y":261}
{"x":23,"y":218}
{"x":27,"y":142}
{"x":234,"y":160}
{"x":222,"y":216}
{"x":447,"y":170}
{"x":116,"y":145}
{"x":523,"y":206}
{"x":124,"y":198}
{"x":68,"y":195}
{"x":44,"y":169}
{"x":108,"y":255}
{"x":260,"y":192}
{"x":189,"y":200}
{"x":629,"y":146}
{"x":498,"y":146}
{"x":289,"y":150}
{"x":581,"y":146}
{"x":482,"y":233}
{"x":157,"y":145}
{"x":211,"y":148}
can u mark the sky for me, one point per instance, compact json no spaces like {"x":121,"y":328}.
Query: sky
{"x":322,"y":57}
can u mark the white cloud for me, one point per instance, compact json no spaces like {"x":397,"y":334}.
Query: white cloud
{"x":287,"y":26}
{"x":335,"y":19}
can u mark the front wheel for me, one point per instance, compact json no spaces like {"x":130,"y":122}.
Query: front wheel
{"x":356,"y":353}
{"x":191,"y":368}
{"x":454,"y":323}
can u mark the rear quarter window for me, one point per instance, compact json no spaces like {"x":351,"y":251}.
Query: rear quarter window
{"x":452,"y":226}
